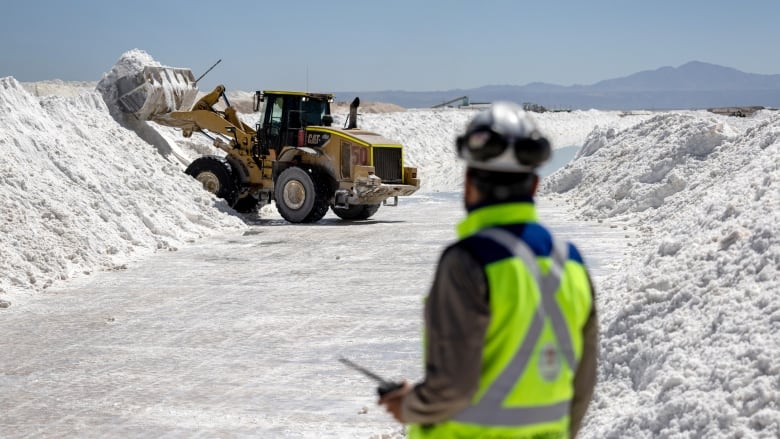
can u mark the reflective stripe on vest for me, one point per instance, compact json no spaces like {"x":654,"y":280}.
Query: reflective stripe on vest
{"x":489,"y":410}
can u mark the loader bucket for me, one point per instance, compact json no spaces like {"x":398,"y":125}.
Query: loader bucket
{"x":156,"y":90}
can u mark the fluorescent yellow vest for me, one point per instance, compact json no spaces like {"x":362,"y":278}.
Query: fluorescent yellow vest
{"x":538,"y":306}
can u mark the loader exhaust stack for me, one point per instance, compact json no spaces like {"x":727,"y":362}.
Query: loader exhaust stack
{"x":352,"y":119}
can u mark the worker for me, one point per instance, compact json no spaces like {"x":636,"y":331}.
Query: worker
{"x":511,"y":332}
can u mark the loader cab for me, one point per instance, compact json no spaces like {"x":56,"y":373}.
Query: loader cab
{"x":287,"y":114}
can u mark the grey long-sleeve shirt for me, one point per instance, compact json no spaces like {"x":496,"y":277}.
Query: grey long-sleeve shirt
{"x":457,"y":314}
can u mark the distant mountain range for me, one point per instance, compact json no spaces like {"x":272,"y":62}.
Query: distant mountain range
{"x":694,"y":85}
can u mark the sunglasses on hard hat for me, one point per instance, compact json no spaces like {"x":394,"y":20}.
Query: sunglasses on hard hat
{"x":486,"y":144}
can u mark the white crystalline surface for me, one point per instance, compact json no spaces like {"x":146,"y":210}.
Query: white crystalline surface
{"x":142,"y":305}
{"x":690,"y":322}
{"x":80,"y":193}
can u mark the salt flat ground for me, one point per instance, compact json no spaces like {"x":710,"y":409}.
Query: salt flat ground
{"x":239,"y":335}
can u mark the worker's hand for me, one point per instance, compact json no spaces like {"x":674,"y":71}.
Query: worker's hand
{"x":392,"y":401}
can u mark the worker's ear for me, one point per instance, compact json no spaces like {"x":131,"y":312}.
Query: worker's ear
{"x":534,"y":184}
{"x":471,"y":195}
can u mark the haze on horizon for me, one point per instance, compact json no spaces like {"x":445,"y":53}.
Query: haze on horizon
{"x":402,"y":45}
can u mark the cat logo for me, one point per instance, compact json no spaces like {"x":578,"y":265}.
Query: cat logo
{"x":316,"y":138}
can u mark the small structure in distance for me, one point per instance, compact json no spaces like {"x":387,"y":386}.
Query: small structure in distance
{"x":465,"y":102}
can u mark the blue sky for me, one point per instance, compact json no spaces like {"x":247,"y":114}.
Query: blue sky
{"x":388,"y":45}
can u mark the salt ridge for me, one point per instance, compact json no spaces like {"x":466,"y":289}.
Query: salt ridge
{"x":689,"y":322}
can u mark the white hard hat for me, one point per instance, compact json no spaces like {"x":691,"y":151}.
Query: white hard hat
{"x":503,"y":138}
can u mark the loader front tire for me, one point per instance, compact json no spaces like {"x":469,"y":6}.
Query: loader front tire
{"x":216,"y":176}
{"x":300,"y":196}
{"x":356,"y":211}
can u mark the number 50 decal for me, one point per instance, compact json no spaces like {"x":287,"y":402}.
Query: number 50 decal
{"x":359,"y":155}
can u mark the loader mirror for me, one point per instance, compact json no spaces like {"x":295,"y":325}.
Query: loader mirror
{"x":327,"y":120}
{"x":257,"y":99}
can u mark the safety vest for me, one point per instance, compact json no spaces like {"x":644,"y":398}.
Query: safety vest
{"x":540,"y":300}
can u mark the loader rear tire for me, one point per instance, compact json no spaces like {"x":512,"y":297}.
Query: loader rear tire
{"x":301,"y":197}
{"x":216,"y":176}
{"x":355,"y":212}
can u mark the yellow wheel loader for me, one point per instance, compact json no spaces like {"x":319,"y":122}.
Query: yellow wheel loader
{"x":294,"y":156}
